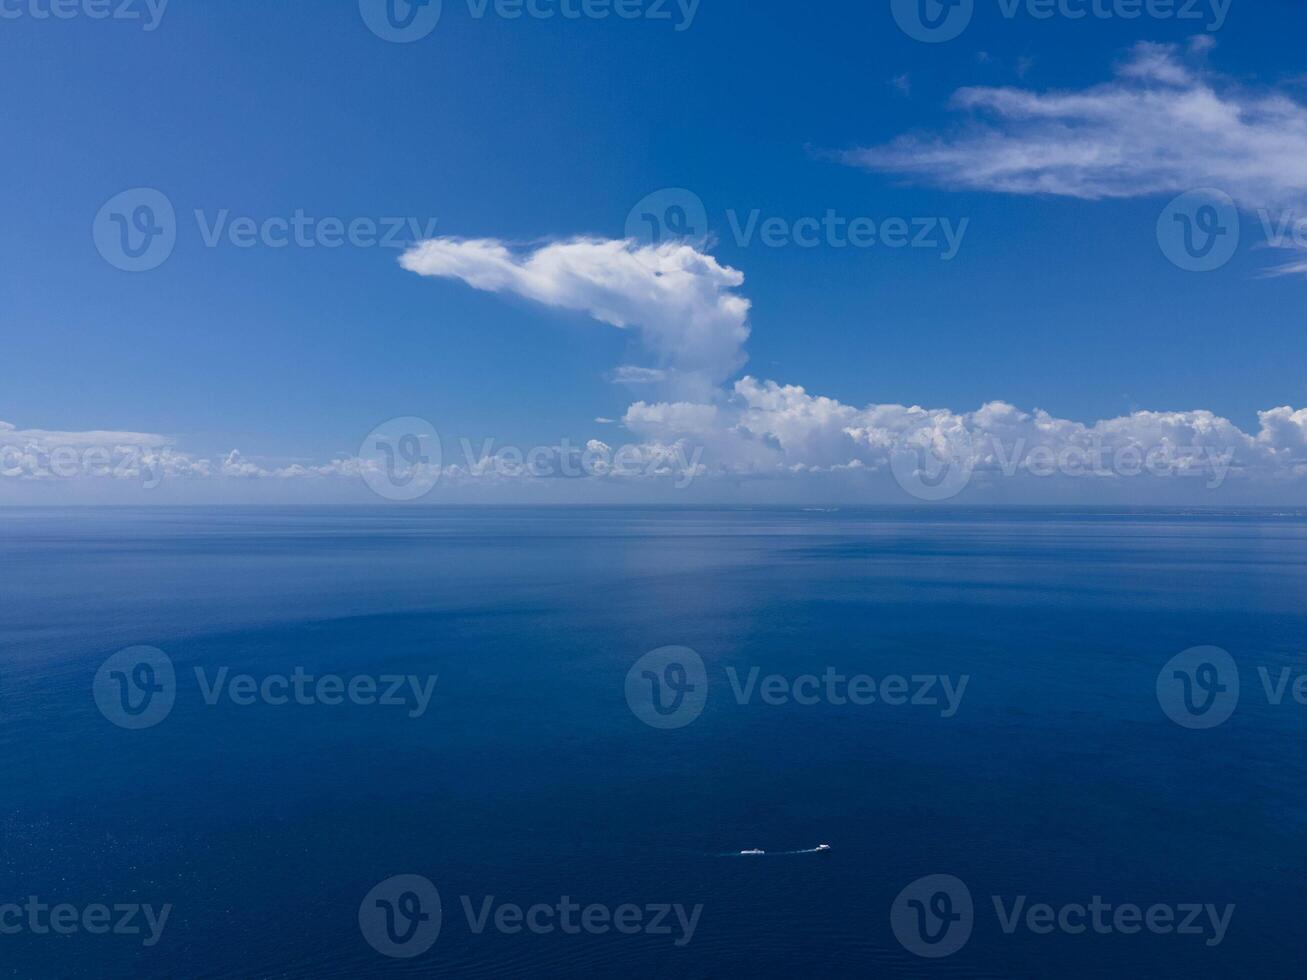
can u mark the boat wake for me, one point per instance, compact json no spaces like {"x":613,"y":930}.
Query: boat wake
{"x":819,"y":849}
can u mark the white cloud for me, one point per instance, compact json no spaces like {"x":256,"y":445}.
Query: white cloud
{"x":677,"y":418}
{"x":768,"y":429}
{"x":236,"y":465}
{"x":50,"y":437}
{"x":629,"y":375}
{"x":680,"y":300}
{"x":347,"y":467}
{"x":765,"y":430}
{"x":40,"y":455}
{"x":144,"y":458}
{"x":1164,"y":124}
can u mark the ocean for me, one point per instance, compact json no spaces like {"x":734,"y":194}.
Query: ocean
{"x":496,"y":742}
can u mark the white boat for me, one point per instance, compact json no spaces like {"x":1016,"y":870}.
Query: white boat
{"x":751,"y":853}
{"x":823,"y":847}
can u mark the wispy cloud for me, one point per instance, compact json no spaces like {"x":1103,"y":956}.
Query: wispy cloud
{"x":628,"y":374}
{"x":49,"y":438}
{"x":1165,"y":123}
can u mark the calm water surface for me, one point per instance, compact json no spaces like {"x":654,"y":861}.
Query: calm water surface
{"x":529,"y":777}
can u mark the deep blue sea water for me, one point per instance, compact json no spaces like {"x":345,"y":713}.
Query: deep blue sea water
{"x":530,"y":777}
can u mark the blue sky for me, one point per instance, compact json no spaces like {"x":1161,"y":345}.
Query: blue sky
{"x":532,"y":132}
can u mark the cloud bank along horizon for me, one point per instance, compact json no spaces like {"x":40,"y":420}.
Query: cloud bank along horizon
{"x":684,"y":307}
